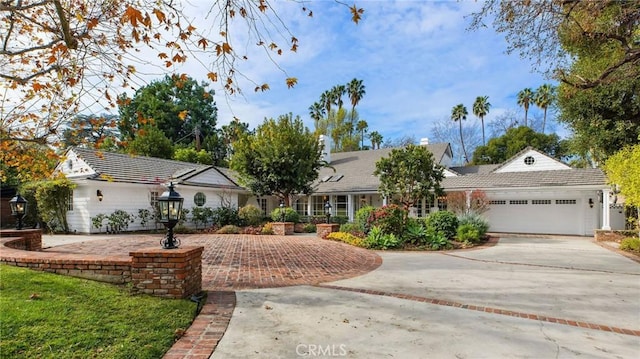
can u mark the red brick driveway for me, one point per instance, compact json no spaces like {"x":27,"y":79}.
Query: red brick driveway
{"x":232,"y":262}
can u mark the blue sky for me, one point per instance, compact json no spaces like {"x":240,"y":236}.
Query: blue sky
{"x":416,"y":58}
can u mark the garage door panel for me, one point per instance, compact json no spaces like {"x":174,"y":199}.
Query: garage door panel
{"x":535,"y":216}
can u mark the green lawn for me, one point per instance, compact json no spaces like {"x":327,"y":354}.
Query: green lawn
{"x":44,"y":315}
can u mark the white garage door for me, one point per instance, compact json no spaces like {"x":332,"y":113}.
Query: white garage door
{"x":539,"y":216}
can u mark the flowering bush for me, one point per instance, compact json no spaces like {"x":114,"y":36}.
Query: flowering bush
{"x":347,"y":238}
{"x":251,"y":215}
{"x":389,"y":219}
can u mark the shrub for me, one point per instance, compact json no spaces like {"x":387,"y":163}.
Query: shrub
{"x":390,"y":219}
{"x":467,"y":233}
{"x":415,"y":233}
{"x":630,"y":244}
{"x":290,"y":215}
{"x":347,"y":238}
{"x":228,"y":229}
{"x":250,"y":215}
{"x":436,"y":240}
{"x":119,"y":220}
{"x":201,"y":215}
{"x":267,"y":228}
{"x":223,"y":216}
{"x":444,"y":222}
{"x":181,"y":229}
{"x":97,"y":221}
{"x":352,"y":227}
{"x":476,"y":221}
{"x":377,"y":239}
{"x":362,"y":217}
{"x":309,"y":228}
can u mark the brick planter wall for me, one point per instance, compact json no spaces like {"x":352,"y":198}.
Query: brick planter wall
{"x":323,"y":229}
{"x":282,"y":228}
{"x":168,"y":273}
{"x":25,"y":239}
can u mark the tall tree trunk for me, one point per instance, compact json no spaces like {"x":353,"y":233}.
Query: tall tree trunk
{"x":466,"y":159}
{"x":544,"y":119}
{"x":482,"y":122}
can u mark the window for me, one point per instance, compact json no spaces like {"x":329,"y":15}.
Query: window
{"x":199,"y":199}
{"x":340,"y":208}
{"x":565,"y":201}
{"x":317,"y":205}
{"x":153,"y":199}
{"x":540,"y":201}
{"x":70,"y":199}
{"x":496,"y":202}
{"x":518,"y":201}
{"x":442,"y":203}
{"x":301,"y":206}
{"x":529,"y":160}
{"x":262,"y":203}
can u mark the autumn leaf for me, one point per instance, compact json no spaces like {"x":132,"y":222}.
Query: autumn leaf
{"x":92,"y":23}
{"x":133,"y":16}
{"x":163,"y":55}
{"x":183,"y":114}
{"x":291,"y":81}
{"x":356,"y":13}
{"x":212,"y":76}
{"x":159,"y":15}
{"x":203,"y":42}
{"x":37,"y":87}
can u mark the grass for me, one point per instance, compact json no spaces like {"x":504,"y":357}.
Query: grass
{"x":43,"y":315}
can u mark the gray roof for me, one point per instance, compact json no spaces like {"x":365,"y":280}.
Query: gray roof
{"x":570,"y":177}
{"x":356,"y":169}
{"x":468,"y":170}
{"x":120,"y":167}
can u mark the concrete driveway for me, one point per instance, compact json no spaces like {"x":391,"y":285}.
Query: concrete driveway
{"x":523,"y":298}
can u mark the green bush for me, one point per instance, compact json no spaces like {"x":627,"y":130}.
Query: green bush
{"x":201,"y":215}
{"x":251,"y":215}
{"x":467,"y":233}
{"x":378,"y":239}
{"x":309,"y":228}
{"x":415,"y":233}
{"x":290,"y":215}
{"x":444,"y":222}
{"x":437,"y":240}
{"x":354,"y":228}
{"x":267,"y":229}
{"x":476,"y":221}
{"x":390,"y":219}
{"x":228,"y":229}
{"x":630,"y":244}
{"x":362,"y":217}
{"x":223,"y":216}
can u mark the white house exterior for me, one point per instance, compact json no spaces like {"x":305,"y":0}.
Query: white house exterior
{"x":131,"y":183}
{"x":529,"y":193}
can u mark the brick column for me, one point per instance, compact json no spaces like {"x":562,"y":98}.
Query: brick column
{"x":282,"y":228}
{"x":323,"y":229}
{"x":31,"y":239}
{"x":168,"y":273}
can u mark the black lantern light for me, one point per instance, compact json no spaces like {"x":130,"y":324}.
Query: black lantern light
{"x":327,"y":211}
{"x":282,"y":214}
{"x":18,"y":209}
{"x":99,"y":195}
{"x":170,"y":208}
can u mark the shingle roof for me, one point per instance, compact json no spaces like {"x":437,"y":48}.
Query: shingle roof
{"x":120,"y":167}
{"x":357,"y":169}
{"x":467,"y":170}
{"x":570,"y":177}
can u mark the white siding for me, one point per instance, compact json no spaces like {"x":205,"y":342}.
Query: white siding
{"x":73,"y":166}
{"x":541,"y":163}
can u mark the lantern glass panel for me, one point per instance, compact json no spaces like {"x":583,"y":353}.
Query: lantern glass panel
{"x":164,"y":211}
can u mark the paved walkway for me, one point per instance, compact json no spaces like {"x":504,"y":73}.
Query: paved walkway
{"x":525,"y":297}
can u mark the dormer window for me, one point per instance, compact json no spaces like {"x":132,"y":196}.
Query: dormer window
{"x":529,"y":160}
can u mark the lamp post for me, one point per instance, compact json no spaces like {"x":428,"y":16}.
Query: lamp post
{"x":18,"y":209}
{"x":170,"y":204}
{"x":282,"y":214}
{"x":327,"y":211}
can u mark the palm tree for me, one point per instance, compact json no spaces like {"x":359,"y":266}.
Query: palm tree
{"x":459,"y":113}
{"x":316,"y":111}
{"x":480,"y":109}
{"x":376,"y":139}
{"x":355,"y":90}
{"x":362,"y":126}
{"x":326,"y":100}
{"x":544,"y":97}
{"x":338,"y":91}
{"x":525,"y":97}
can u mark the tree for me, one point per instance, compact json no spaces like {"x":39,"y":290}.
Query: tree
{"x":177,"y":105}
{"x":458,"y":114}
{"x":409,"y":174}
{"x":52,"y":201}
{"x":516,"y":139}
{"x":446,"y":131}
{"x":623,"y":170}
{"x":362,"y":126}
{"x":356,"y":91}
{"x":191,"y":155}
{"x":151,"y":142}
{"x":481,"y":109}
{"x":376,"y":139}
{"x":66,"y":57}
{"x":282,"y":158}
{"x":90,"y":130}
{"x":525,"y":97}
{"x":402,"y":141}
{"x":543,"y":98}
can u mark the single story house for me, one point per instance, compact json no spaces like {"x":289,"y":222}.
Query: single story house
{"x":529,"y":193}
